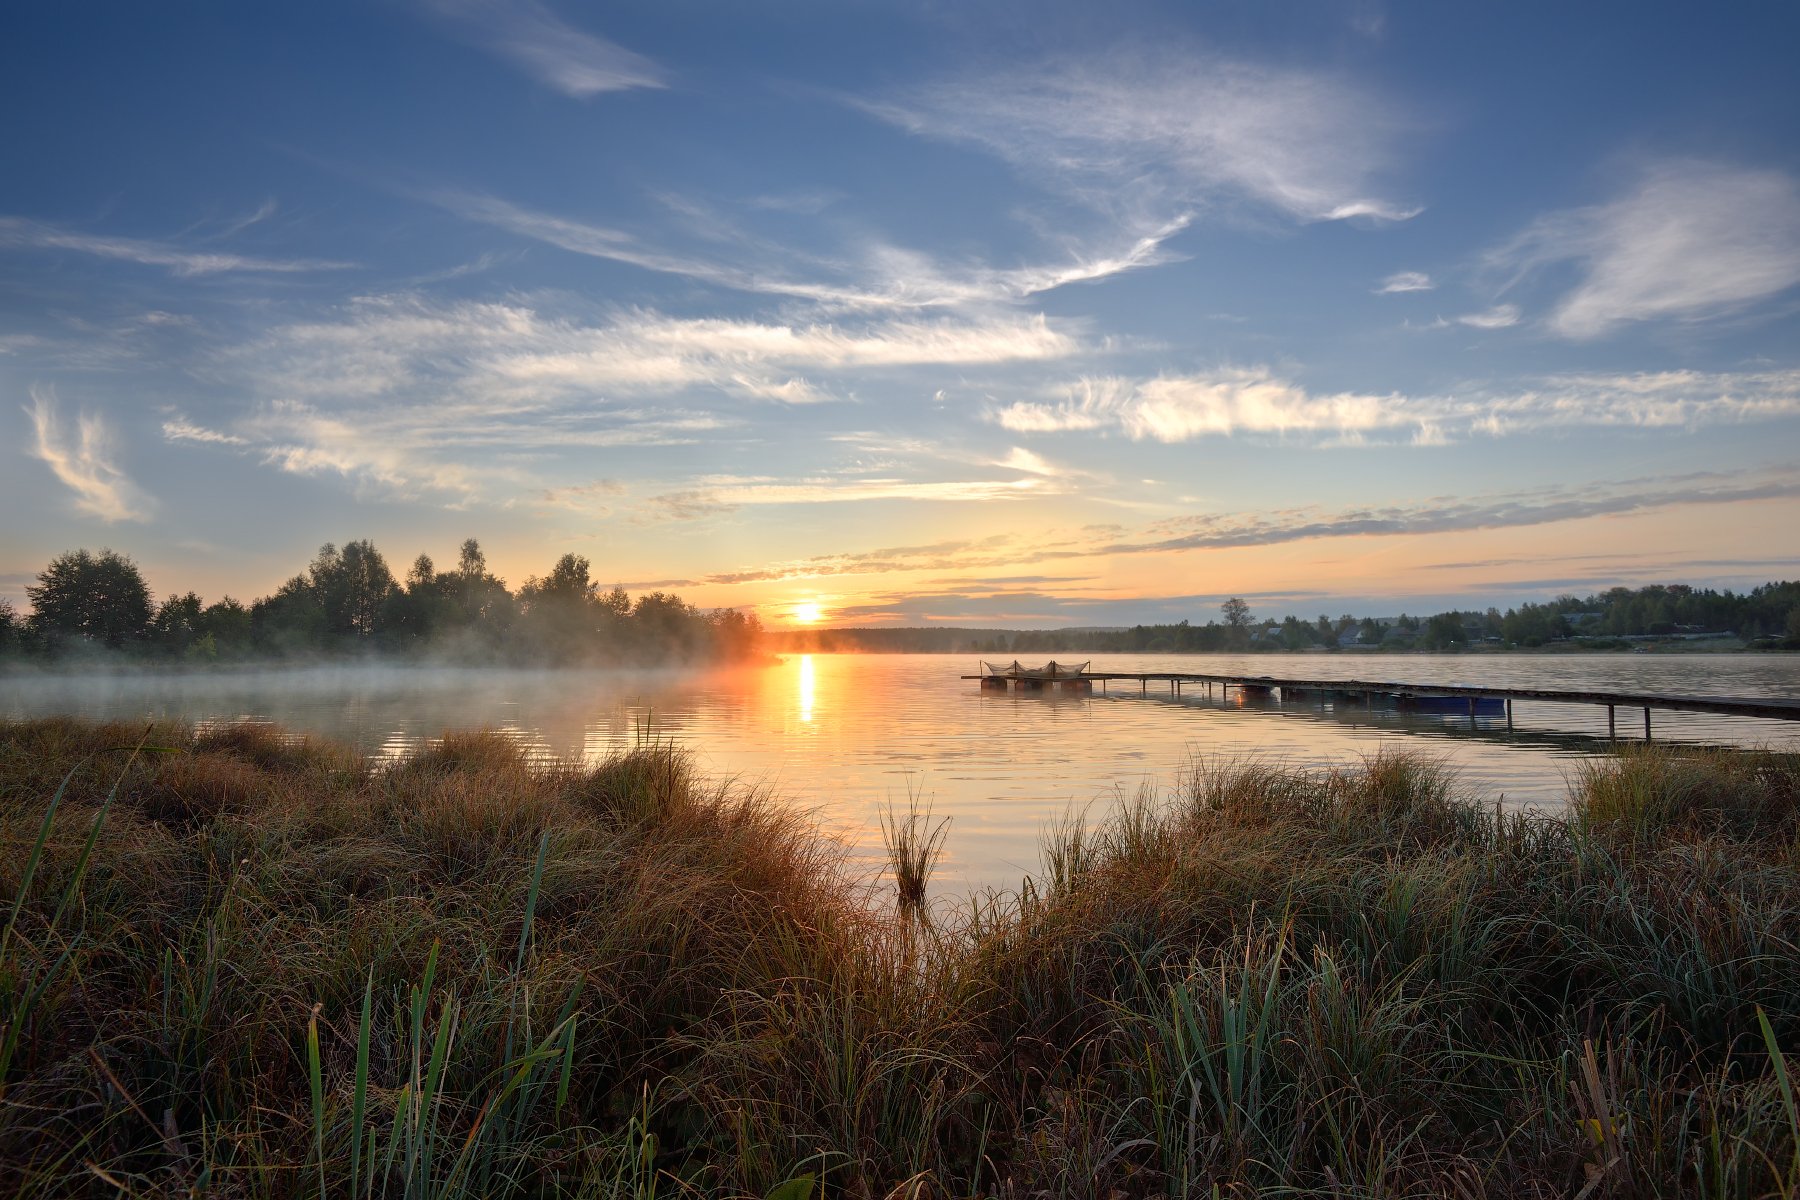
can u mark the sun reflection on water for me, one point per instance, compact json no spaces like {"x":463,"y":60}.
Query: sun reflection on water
{"x":806,"y":688}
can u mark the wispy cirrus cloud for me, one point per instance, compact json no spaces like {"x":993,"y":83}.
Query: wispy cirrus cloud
{"x":1170,"y":131}
{"x":871,"y":274}
{"x":457,"y":454}
{"x":1226,"y":530}
{"x":178,"y":428}
{"x":1457,"y":514}
{"x":511,"y":355}
{"x":416,"y":395}
{"x":37,"y":235}
{"x":1690,"y":241}
{"x":85,"y":462}
{"x":725,"y":495}
{"x":593,"y":497}
{"x":1255,"y":401}
{"x":1405,"y":281}
{"x":547,"y":48}
{"x":1501,"y":316}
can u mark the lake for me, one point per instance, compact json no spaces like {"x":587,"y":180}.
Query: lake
{"x":845,"y":735}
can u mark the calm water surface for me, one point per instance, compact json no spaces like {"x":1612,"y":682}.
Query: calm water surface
{"x":844,"y":735}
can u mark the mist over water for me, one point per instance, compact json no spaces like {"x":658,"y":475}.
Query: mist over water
{"x":844,"y":735}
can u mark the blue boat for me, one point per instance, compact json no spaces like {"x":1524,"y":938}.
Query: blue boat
{"x":1485,"y":706}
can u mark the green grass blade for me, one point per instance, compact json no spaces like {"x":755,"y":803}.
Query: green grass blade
{"x":360,"y":1097}
{"x":31,"y":861}
{"x":1778,"y":1063}
{"x":531,"y":899}
{"x":316,"y":1077}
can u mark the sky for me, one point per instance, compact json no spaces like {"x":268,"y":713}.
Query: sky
{"x":994,"y":314}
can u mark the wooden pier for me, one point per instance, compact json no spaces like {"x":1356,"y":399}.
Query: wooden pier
{"x":1439,"y":697}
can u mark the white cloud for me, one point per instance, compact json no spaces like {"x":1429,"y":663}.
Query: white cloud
{"x":16,"y":231}
{"x":1180,"y":408}
{"x":1648,"y":399}
{"x":1167,"y":131}
{"x":1501,"y":316}
{"x":1405,"y":281}
{"x":709,"y":500}
{"x":1690,"y":241}
{"x":872,"y":275}
{"x":84,"y":463}
{"x":397,"y":391}
{"x":1021,"y":459}
{"x":788,"y":391}
{"x":180,"y":429}
{"x":509,"y":355}
{"x":1254,"y":401}
{"x":548,"y":48}
{"x":304,"y":441}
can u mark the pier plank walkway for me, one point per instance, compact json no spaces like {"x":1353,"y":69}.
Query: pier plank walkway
{"x":1767,"y":708}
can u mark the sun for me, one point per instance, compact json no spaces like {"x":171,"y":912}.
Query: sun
{"x":806,"y":614}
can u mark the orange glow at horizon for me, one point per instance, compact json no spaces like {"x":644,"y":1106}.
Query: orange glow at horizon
{"x":1376,"y":573}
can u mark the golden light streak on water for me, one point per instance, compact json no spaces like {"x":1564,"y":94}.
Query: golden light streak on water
{"x":808,"y":682}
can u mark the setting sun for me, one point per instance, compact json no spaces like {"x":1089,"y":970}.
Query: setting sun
{"x":806,"y":614}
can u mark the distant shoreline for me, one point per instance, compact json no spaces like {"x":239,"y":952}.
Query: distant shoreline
{"x":1560,"y":648}
{"x":145,"y":670}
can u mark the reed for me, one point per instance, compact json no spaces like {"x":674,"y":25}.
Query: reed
{"x":914,"y":844}
{"x":249,"y":965}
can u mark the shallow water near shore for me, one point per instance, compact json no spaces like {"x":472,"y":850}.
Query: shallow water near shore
{"x":845,"y":735}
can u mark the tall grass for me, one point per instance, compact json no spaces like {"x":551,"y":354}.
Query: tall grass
{"x":914,"y":844}
{"x":254,"y":966}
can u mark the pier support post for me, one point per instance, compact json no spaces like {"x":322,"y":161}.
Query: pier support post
{"x":1509,"y":714}
{"x":1612,"y":728}
{"x":1646,"y":722}
{"x":1471,"y":712}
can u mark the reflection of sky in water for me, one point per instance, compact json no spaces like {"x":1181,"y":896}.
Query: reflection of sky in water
{"x":844,"y":735}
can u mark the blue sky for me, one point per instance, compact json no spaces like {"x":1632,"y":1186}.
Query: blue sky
{"x":997,"y":314}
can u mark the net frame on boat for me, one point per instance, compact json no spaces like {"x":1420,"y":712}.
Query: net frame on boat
{"x":1050,"y":670}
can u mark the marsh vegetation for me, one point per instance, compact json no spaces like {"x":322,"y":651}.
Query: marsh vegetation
{"x":239,"y":963}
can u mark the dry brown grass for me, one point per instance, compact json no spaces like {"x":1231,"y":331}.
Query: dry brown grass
{"x":1351,"y":983}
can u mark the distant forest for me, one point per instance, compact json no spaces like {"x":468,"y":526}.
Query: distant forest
{"x":347,"y":604}
{"x":1766,"y":617}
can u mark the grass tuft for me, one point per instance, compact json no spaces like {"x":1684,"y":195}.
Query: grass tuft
{"x":914,"y":844}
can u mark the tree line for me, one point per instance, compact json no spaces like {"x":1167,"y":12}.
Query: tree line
{"x":347,"y":603}
{"x":1766,"y":617}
